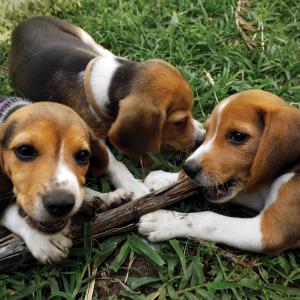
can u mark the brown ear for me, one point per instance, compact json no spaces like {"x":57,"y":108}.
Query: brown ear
{"x":5,"y":183}
{"x":138,"y":127}
{"x":99,"y":158}
{"x":279,"y":148}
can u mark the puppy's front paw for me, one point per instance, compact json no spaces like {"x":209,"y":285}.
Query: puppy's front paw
{"x":160,"y":179}
{"x":115,"y":199}
{"x":160,"y":225}
{"x":105,"y":201}
{"x":49,"y":248}
{"x":139,"y":189}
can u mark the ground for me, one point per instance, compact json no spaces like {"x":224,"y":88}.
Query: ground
{"x":202,"y":39}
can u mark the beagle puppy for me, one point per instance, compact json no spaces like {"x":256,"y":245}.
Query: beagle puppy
{"x":45,"y":150}
{"x":250,"y":156}
{"x":139,"y":106}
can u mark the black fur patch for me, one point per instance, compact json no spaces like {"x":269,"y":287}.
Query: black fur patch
{"x":121,"y":84}
{"x":56,"y":62}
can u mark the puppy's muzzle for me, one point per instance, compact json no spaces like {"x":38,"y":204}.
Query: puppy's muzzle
{"x":59,"y":203}
{"x":191,"y":169}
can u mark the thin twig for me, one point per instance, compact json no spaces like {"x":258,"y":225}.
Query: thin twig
{"x":246,"y":263}
{"x":245,"y":27}
{"x":91,"y":285}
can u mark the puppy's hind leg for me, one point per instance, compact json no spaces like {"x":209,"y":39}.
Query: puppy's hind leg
{"x":88,"y":40}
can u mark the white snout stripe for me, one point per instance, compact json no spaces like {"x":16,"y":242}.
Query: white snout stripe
{"x":208,"y":144}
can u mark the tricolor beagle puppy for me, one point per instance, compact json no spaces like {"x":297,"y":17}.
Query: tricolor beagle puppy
{"x":45,"y":150}
{"x":138,"y":106}
{"x":250,"y":156}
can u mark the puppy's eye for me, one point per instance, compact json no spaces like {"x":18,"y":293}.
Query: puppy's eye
{"x":238,"y":138}
{"x":181,"y":123}
{"x":82,"y":157}
{"x":26,"y":153}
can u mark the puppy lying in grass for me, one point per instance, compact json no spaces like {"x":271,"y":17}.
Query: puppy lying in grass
{"x":250,"y":156}
{"x":45,"y":154}
{"x":139,"y":106}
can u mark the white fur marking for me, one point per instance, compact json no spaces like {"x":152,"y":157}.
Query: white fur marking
{"x":65,"y":178}
{"x":277,"y":184}
{"x":101,"y":75}
{"x":208,"y":144}
{"x":264,"y":197}
{"x":255,"y":200}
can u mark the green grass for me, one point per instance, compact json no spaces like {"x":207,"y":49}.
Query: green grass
{"x":200,"y":39}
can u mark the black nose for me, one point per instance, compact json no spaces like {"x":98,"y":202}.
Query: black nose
{"x":59,"y":203}
{"x":191,"y":169}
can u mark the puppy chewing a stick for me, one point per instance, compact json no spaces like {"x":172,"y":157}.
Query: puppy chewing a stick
{"x":45,"y":155}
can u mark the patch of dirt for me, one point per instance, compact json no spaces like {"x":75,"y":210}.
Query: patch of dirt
{"x":109,"y":284}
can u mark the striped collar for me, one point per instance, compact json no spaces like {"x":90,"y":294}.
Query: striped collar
{"x":10,"y":105}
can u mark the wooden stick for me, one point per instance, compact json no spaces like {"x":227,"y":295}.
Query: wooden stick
{"x":13,"y":250}
{"x":133,"y":210}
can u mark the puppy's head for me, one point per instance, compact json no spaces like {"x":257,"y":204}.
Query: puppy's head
{"x":157,"y":112}
{"x":252,"y":137}
{"x":45,"y":152}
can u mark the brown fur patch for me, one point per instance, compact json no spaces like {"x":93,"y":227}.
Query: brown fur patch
{"x":280,"y":224}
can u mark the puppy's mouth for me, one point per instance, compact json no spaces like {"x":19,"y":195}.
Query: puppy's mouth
{"x":47,"y":227}
{"x":220,"y":193}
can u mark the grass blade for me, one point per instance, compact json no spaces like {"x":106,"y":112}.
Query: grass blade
{"x":143,"y":248}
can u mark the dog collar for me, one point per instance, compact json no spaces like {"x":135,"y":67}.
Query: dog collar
{"x":90,"y":95}
{"x":10,"y":105}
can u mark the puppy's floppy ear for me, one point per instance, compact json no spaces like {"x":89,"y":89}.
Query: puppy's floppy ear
{"x":99,"y":158}
{"x":5,"y":183}
{"x":279,"y":147}
{"x":138,"y":127}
